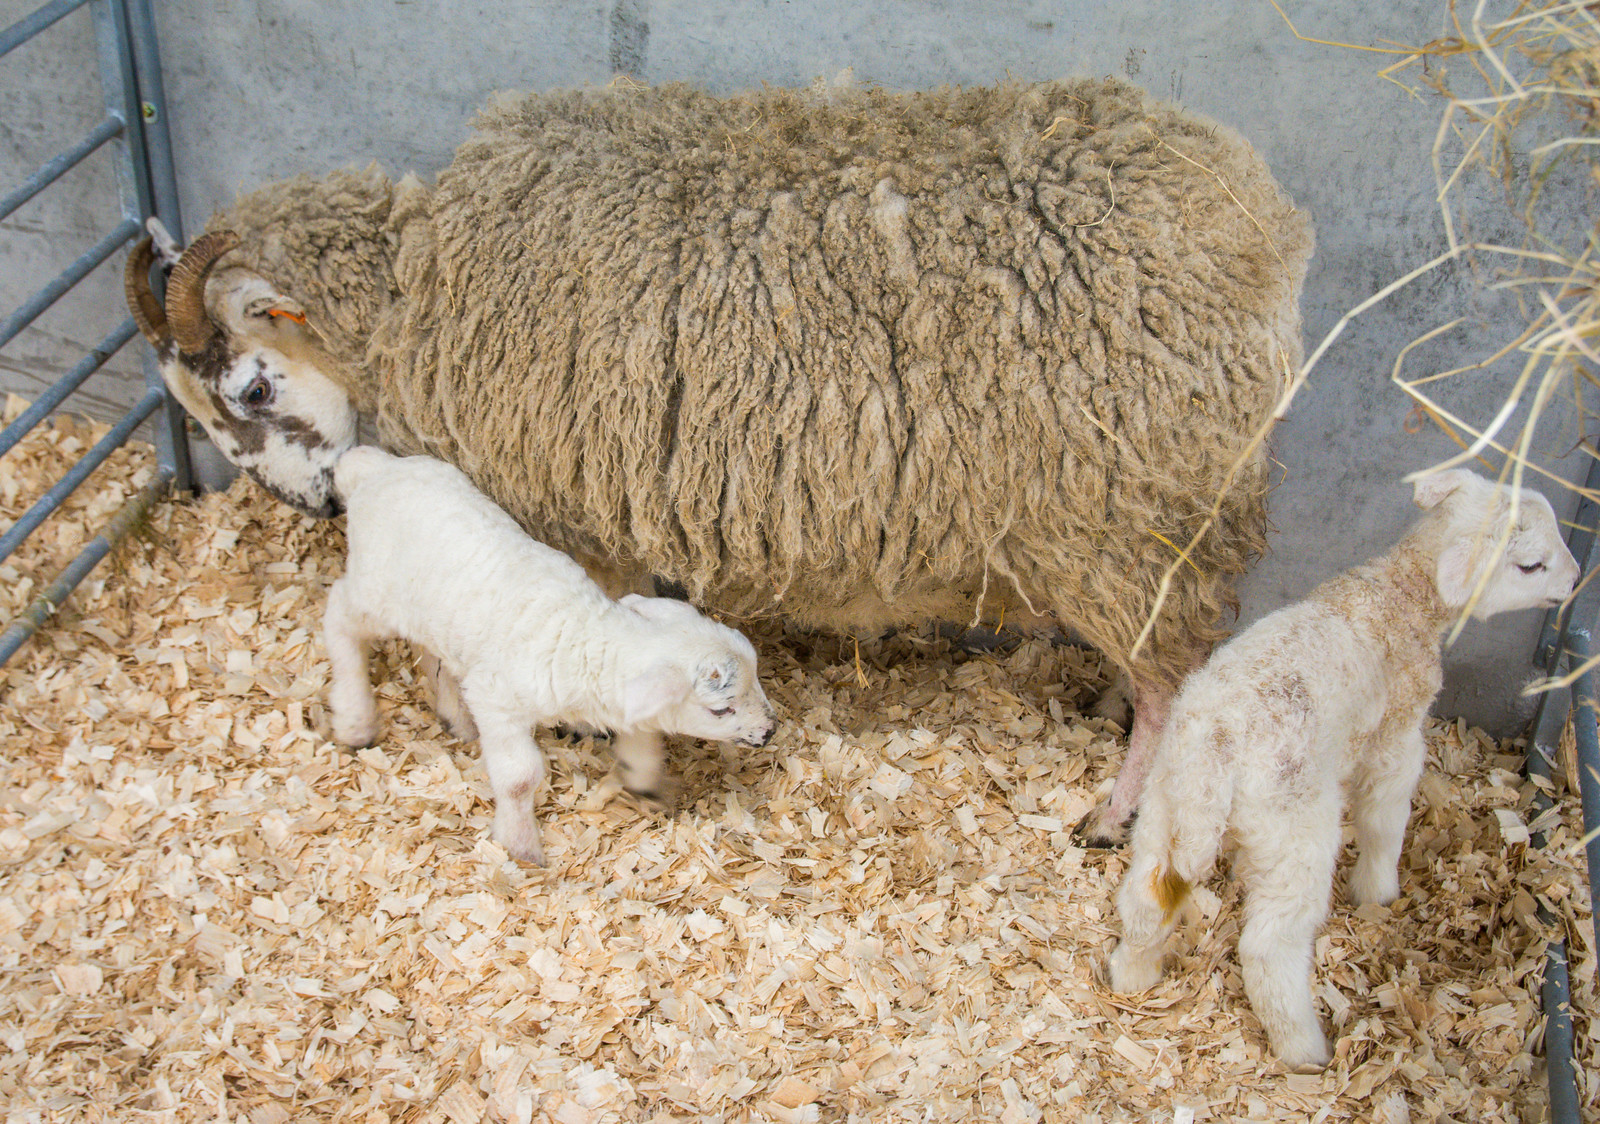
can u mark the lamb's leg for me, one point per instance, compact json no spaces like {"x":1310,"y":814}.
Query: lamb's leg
{"x":1287,"y":868}
{"x":1107,"y":825}
{"x":1380,"y":805}
{"x":643,"y":766}
{"x":1147,"y":920}
{"x":516,"y":769}
{"x":355,"y":715}
{"x":448,"y":704}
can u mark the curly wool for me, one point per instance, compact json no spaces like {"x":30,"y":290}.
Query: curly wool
{"x":860,"y":358}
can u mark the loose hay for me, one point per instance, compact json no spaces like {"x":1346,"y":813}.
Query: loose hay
{"x":210,"y":912}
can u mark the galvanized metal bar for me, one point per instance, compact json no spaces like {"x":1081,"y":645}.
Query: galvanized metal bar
{"x":69,"y":277}
{"x":60,"y":165}
{"x":1561,"y":1069}
{"x":29,"y":26}
{"x":1587,"y":732}
{"x":78,"y":473}
{"x":152,"y":96}
{"x":56,"y":593}
{"x":171,"y":437}
{"x":1555,"y":995}
{"x":1566,"y":641}
{"x":62,"y":387}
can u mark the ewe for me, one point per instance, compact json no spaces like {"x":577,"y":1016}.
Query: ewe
{"x":852,"y":358}
{"x":520,"y":637}
{"x":1321,"y":697}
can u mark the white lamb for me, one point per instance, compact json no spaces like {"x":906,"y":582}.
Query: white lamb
{"x":1322,"y":696}
{"x":521,"y":637}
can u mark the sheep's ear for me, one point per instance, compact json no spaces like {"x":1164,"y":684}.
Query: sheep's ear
{"x":1431,"y":491}
{"x":646,"y":696}
{"x":275,"y":307}
{"x":1453,"y":576}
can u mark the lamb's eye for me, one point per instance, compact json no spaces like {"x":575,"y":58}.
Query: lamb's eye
{"x":1530,"y":567}
{"x":721,"y":712}
{"x":258,"y":393}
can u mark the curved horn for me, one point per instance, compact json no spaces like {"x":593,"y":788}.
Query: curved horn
{"x":186,"y":290}
{"x":147,"y":311}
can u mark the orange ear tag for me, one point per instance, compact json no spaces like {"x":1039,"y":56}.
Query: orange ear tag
{"x":297,"y":317}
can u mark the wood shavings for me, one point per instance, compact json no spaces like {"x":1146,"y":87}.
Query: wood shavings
{"x":209,"y":912}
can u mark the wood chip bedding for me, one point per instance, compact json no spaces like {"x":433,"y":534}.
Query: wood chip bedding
{"x":210,"y":912}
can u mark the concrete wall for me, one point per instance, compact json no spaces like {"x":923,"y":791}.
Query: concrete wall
{"x":262,"y":89}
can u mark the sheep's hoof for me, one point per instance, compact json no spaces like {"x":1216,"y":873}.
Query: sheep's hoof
{"x":1096,"y":833}
{"x":461,"y":727}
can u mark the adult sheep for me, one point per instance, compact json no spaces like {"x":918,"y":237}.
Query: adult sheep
{"x":850,"y":357}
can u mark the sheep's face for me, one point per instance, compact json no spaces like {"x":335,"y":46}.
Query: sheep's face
{"x":1493,"y":559}
{"x":241,"y":360}
{"x":707,"y":685}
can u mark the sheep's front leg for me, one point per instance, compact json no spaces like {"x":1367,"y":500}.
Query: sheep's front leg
{"x":448,"y":704}
{"x":1380,"y":805}
{"x":345,"y":634}
{"x":642,"y":765}
{"x":516,"y":768}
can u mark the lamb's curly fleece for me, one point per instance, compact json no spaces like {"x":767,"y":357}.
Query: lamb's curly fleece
{"x":851,"y":357}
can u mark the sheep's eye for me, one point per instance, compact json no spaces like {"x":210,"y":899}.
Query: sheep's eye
{"x":258,"y":393}
{"x":721,"y":711}
{"x":1530,"y":567}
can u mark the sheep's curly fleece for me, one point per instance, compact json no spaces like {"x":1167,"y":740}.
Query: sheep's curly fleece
{"x":852,"y":357}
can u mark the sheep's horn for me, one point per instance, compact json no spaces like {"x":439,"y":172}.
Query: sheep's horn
{"x":186,"y":290}
{"x":147,"y":311}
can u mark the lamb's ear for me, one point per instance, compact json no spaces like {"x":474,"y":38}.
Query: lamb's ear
{"x":646,"y":696}
{"x":716,"y":678}
{"x":1453,"y":575}
{"x":1431,"y":491}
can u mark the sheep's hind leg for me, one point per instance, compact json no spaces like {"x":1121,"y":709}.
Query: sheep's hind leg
{"x":448,"y":705}
{"x":1107,"y":825}
{"x":516,"y":769}
{"x":642,"y":766}
{"x":355,"y":715}
{"x":1287,"y":870}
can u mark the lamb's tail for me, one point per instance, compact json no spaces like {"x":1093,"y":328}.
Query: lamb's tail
{"x":354,"y":465}
{"x":1186,"y":810}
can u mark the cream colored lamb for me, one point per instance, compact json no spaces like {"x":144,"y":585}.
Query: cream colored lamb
{"x":520,"y":637}
{"x":1319,"y":698}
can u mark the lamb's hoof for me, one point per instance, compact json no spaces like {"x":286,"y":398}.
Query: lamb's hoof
{"x":461,"y":727}
{"x":572,"y":735}
{"x":660,"y":799}
{"x":522,"y":847}
{"x":1130,"y":974}
{"x":1095,"y":831}
{"x":356,"y":735}
{"x":1305,"y":1053}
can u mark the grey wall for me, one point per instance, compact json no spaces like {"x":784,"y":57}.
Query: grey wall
{"x":262,"y":89}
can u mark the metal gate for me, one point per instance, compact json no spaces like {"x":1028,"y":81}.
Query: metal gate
{"x":135,"y":126}
{"x":1566,"y":646}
